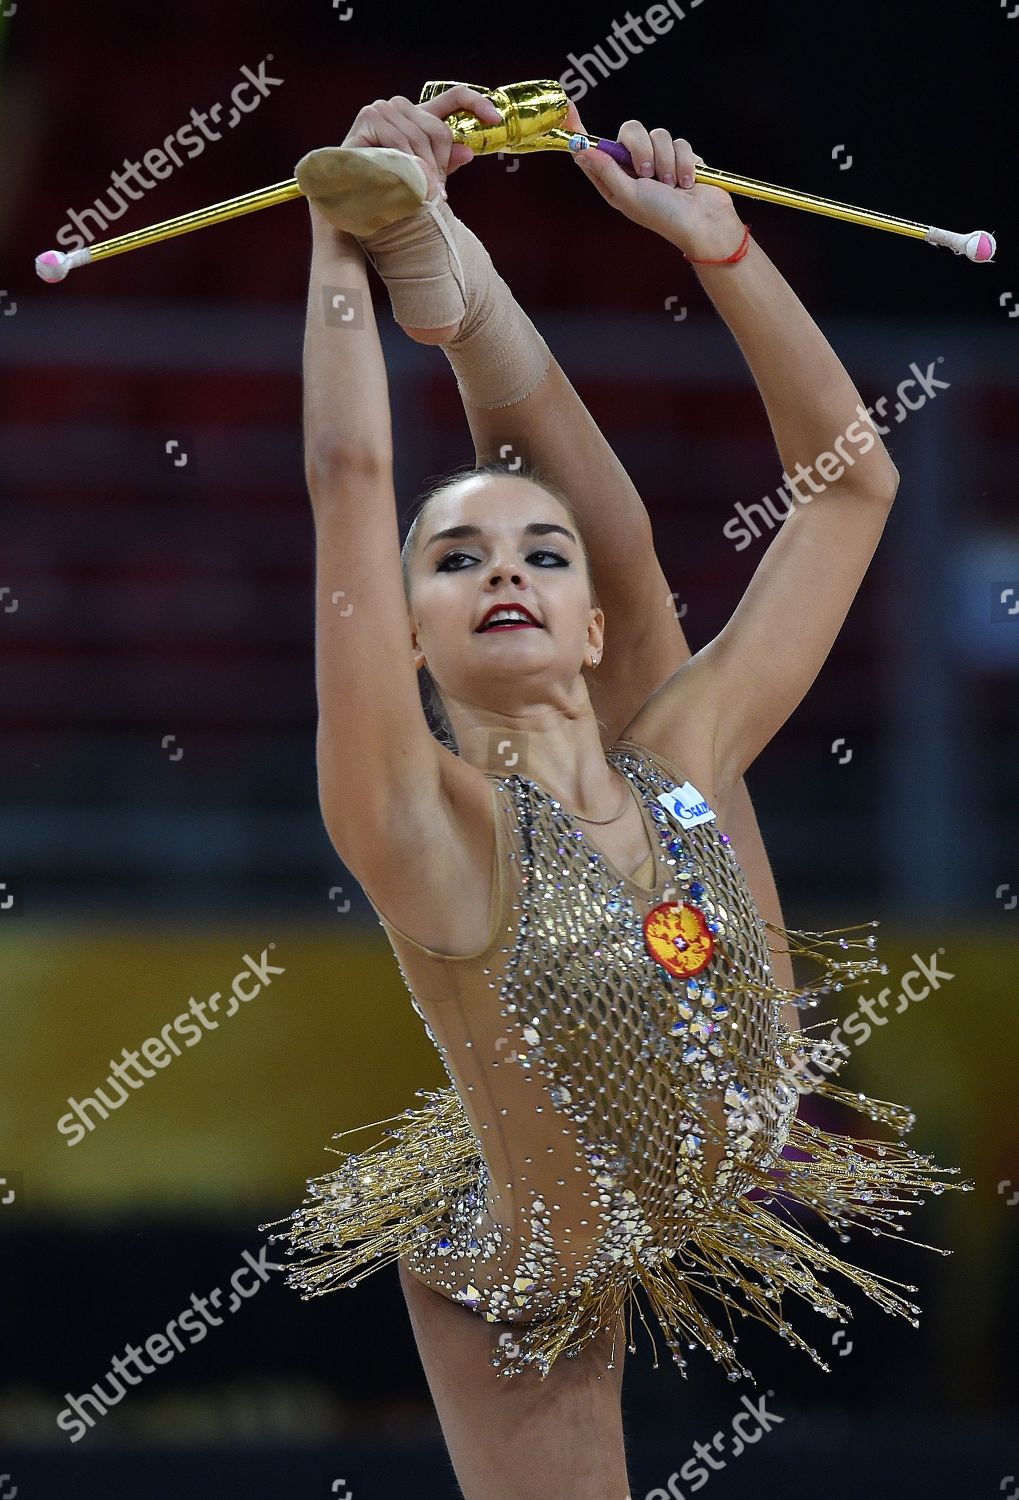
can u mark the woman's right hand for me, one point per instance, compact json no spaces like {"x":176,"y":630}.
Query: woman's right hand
{"x":697,"y":219}
{"x":421,"y":130}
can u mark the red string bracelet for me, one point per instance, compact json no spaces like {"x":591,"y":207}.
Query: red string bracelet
{"x":730,"y":260}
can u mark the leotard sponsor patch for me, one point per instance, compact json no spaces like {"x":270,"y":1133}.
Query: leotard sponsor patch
{"x":686,"y":805}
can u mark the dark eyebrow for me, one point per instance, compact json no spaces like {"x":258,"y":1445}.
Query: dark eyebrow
{"x":536,"y":528}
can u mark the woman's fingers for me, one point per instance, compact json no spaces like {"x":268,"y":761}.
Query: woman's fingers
{"x":657,"y":154}
{"x":421,"y":129}
{"x":655,"y":202}
{"x":685,"y":162}
{"x":638,"y":142}
{"x":665,"y":157}
{"x":462,"y":97}
{"x":431,"y":133}
{"x":392,"y":126}
{"x":614,"y":184}
{"x":449,"y":154}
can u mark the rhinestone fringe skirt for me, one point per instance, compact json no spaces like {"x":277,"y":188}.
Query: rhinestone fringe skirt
{"x":742,"y":1255}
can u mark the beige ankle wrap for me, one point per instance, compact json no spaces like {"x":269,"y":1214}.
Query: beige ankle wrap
{"x":439,"y":273}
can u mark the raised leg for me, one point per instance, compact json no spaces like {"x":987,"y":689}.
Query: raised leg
{"x":516,"y":1437}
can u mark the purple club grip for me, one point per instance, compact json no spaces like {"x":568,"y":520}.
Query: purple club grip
{"x":617,"y":151}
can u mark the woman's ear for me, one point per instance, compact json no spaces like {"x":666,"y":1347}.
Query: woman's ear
{"x":595,"y":643}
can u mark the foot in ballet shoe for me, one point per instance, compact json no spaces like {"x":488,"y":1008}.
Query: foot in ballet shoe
{"x":362,"y":189}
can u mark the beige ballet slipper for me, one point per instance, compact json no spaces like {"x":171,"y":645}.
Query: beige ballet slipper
{"x":361,"y":189}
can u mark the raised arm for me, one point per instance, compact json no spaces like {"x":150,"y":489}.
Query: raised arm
{"x":346,"y":394}
{"x":841,"y":483}
{"x":377,"y":760}
{"x":737,"y":691}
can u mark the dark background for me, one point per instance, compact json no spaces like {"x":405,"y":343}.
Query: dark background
{"x":152,"y":602}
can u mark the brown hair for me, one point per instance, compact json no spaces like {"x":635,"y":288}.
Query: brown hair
{"x":431,"y":698}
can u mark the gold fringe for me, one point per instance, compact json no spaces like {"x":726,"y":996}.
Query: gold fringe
{"x":382,"y":1202}
{"x":842,"y":1184}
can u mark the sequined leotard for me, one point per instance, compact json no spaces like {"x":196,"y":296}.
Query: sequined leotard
{"x":608,"y":1124}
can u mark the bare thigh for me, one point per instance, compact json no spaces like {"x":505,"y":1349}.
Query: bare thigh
{"x":513,"y":1437}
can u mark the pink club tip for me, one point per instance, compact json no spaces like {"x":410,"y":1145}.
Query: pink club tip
{"x":985,"y":248}
{"x":51,"y":265}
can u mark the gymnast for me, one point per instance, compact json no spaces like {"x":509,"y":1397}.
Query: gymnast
{"x":600,"y":966}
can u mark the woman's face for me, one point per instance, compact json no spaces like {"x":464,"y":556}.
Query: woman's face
{"x":521,"y":548}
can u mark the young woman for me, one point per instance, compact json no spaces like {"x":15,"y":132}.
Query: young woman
{"x":572,"y":923}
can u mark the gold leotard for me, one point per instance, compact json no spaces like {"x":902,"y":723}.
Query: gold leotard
{"x":610,"y":1125}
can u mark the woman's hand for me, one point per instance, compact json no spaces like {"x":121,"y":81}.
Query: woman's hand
{"x":421,"y":130}
{"x":700,"y":220}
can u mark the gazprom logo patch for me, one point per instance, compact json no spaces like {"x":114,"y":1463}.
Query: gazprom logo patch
{"x":686,"y":805}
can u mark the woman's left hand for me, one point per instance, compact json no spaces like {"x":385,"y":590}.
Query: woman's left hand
{"x":698,"y":219}
{"x":421,"y":130}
